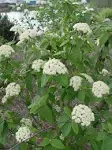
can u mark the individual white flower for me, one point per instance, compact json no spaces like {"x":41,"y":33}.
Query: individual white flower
{"x":26,"y":122}
{"x":100,"y":88}
{"x":18,"y":8}
{"x":83,"y":115}
{"x":82,"y":27}
{"x":87,"y":77}
{"x":12,"y":89}
{"x":54,"y":66}
{"x":104,"y":72}
{"x":75,"y":82}
{"x":38,"y":64}
{"x":17,"y":29}
{"x":23,"y":134}
{"x":6,"y":51}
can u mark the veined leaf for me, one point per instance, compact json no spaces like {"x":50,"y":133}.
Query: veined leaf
{"x":57,"y":144}
{"x":39,"y":103}
{"x":45,"y":142}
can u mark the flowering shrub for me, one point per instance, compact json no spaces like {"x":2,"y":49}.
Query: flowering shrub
{"x":56,"y":85}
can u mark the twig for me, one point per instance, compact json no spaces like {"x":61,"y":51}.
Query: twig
{"x":44,"y":130}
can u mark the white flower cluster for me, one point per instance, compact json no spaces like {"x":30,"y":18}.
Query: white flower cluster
{"x":104,"y":72}
{"x":87,"y":77}
{"x":17,"y":29}
{"x":54,"y":66}
{"x":12,"y":89}
{"x":38,"y":64}
{"x":75,"y":82}
{"x":100,"y":88}
{"x":26,"y":122}
{"x":23,"y":134}
{"x":82,"y":114}
{"x":30,"y":33}
{"x":82,"y":27}
{"x":18,"y":8}
{"x":6,"y":51}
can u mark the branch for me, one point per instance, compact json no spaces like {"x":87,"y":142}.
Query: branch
{"x":44,"y":130}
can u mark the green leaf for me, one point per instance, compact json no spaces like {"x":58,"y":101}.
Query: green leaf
{"x":67,"y":111}
{"x":107,"y":144}
{"x":62,"y":80}
{"x":94,"y":145}
{"x":45,"y":78}
{"x":104,"y":37}
{"x":4,"y":133}
{"x":62,"y":120}
{"x":59,"y":53}
{"x":29,"y":81}
{"x":38,"y":103}
{"x":49,"y":147}
{"x":75,"y":127}
{"x":46,"y":113}
{"x":109,"y":127}
{"x":17,"y":148}
{"x":64,"y":43}
{"x":66,"y":129}
{"x":23,"y":146}
{"x":45,"y":142}
{"x":1,"y":127}
{"x":81,"y":95}
{"x":101,"y":136}
{"x":57,"y":144}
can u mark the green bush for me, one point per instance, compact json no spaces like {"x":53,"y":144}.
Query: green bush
{"x":57,"y":87}
{"x":106,"y":13}
{"x":5,"y":26}
{"x":2,"y":40}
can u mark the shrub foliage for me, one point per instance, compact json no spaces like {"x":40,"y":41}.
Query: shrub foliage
{"x":66,"y":93}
